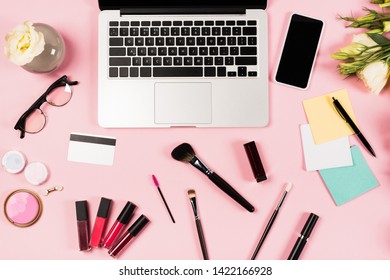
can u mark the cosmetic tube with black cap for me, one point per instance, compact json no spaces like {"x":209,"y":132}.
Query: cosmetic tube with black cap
{"x":302,"y":239}
{"x":122,"y":241}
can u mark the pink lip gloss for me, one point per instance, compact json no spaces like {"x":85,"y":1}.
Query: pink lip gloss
{"x":100,"y":222}
{"x":122,"y":220}
{"x":132,"y":232}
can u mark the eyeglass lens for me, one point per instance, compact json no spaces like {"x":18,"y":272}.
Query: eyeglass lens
{"x":36,"y":120}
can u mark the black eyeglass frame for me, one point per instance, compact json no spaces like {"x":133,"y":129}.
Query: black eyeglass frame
{"x":20,"y":124}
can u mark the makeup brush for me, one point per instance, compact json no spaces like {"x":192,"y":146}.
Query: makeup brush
{"x":185,"y":153}
{"x":162,"y":196}
{"x":271,"y":220}
{"x":192,"y":196}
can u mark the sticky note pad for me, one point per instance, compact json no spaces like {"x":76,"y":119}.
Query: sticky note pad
{"x":336,"y":153}
{"x":325,"y":122}
{"x":347,"y":183}
{"x":91,"y":149}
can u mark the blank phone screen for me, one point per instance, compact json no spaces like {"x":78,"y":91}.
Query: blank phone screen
{"x":299,"y":51}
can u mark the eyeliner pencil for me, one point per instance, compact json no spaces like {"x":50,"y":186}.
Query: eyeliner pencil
{"x":162,"y":196}
{"x":271,"y":220}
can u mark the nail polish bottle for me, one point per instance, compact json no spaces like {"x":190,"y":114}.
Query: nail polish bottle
{"x":82,"y":225}
{"x":122,"y":220}
{"x":100,"y":222}
{"x":132,"y":232}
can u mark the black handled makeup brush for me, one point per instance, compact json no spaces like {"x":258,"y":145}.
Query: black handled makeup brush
{"x":271,"y":220}
{"x":185,"y":153}
{"x":192,"y":196}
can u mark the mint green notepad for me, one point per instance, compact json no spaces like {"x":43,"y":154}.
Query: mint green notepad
{"x":347,"y":183}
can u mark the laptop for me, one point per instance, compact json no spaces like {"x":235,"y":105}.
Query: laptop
{"x":200,"y":63}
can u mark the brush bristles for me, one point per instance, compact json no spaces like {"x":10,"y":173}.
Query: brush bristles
{"x":288,"y":186}
{"x":191,"y":193}
{"x":183,"y":152}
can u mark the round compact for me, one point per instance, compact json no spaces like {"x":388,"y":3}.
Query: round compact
{"x":23,"y":208}
{"x":36,"y":173}
{"x":13,"y":161}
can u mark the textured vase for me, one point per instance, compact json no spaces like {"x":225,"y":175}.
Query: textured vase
{"x":53,"y":53}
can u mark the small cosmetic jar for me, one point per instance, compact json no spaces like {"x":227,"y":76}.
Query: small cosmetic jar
{"x":23,"y":208}
{"x":13,"y":162}
{"x":36,"y":173}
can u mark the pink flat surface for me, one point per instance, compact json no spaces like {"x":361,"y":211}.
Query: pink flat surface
{"x":359,"y":229}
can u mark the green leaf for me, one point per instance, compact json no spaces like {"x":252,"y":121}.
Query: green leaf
{"x":379,"y":39}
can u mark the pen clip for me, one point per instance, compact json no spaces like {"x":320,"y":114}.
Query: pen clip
{"x":337,"y":109}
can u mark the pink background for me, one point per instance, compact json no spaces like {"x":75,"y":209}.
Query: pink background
{"x":359,"y":229}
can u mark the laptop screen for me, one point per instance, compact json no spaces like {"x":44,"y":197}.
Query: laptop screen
{"x":118,"y":4}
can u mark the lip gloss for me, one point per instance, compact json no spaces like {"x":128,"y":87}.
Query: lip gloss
{"x":122,"y":220}
{"x":100,"y":222}
{"x":132,"y":232}
{"x":82,"y":225}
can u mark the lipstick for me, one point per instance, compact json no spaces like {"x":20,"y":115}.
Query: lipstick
{"x":255,"y":161}
{"x":100,"y":222}
{"x":132,"y":232}
{"x":302,"y":239}
{"x":82,"y":225}
{"x":122,"y":220}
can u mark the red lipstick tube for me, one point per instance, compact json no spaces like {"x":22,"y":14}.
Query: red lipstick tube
{"x":82,"y":225}
{"x":100,"y":222}
{"x":122,"y":220}
{"x":132,"y":232}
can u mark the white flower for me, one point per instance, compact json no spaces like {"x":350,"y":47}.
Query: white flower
{"x":375,"y":76}
{"x":24,"y":43}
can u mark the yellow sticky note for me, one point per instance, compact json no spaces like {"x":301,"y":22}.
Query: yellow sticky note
{"x":325,"y":122}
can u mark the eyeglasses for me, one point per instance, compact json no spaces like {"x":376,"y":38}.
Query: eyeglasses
{"x":34,"y":120}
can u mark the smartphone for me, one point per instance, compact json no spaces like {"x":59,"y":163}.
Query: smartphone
{"x":299,"y":51}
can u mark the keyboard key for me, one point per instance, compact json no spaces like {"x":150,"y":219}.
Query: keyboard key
{"x":139,"y":41}
{"x":221,"y":71}
{"x":224,"y":51}
{"x":185,"y":31}
{"x":134,"y":71}
{"x":145,"y":23}
{"x":248,"y":50}
{"x":124,"y":31}
{"x":180,"y":41}
{"x":123,"y":72}
{"x":210,"y":41}
{"x":120,"y":61}
{"x":226,"y":31}
{"x":144,"y":31}
{"x":241,"y":41}
{"x":208,"y":60}
{"x":141,"y":51}
{"x":234,"y":50}
{"x":157,"y":61}
{"x":192,"y":51}
{"x":198,"y":60}
{"x":246,"y":60}
{"x":213,"y":51}
{"x":134,"y":31}
{"x":155,"y":31}
{"x":218,"y":60}
{"x":241,"y":22}
{"x":147,"y":61}
{"x":172,"y":51}
{"x":177,"y":61}
{"x":237,"y":31}
{"x":188,"y":23}
{"x":175,"y":31}
{"x":206,"y":31}
{"x":249,"y":30}
{"x":252,"y":41}
{"x":167,"y":23}
{"x":136,"y":61}
{"x":188,"y":60}
{"x":160,"y":41}
{"x":156,"y":23}
{"x":232,"y":74}
{"x":135,"y":23}
{"x":113,"y":31}
{"x":170,"y":41}
{"x":177,"y":72}
{"x":149,"y":41}
{"x":230,"y":23}
{"x":145,"y":72}
{"x":116,"y":41}
{"x":220,"y":22}
{"x":165,"y":31}
{"x":117,"y":51}
{"x":209,"y":23}
{"x":242,"y":71}
{"x":183,"y":51}
{"x":195,"y":31}
{"x":252,"y":74}
{"x":216,"y":31}
{"x":232,"y":41}
{"x":167,"y":60}
{"x":201,"y":41}
{"x":152,"y":51}
{"x":131,"y":51}
{"x":162,"y":51}
{"x":113,"y":23}
{"x":198,"y":23}
{"x":229,"y":60}
{"x":209,"y":71}
{"x":221,"y":41}
{"x":203,"y":51}
{"x":252,"y":22}
{"x":129,"y":41}
{"x":177,"y":23}
{"x":190,"y":41}
{"x":113,"y":72}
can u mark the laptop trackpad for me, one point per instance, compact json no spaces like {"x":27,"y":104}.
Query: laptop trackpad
{"x":182,"y":103}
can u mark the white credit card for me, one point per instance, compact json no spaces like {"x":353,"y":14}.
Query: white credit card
{"x":93,"y":149}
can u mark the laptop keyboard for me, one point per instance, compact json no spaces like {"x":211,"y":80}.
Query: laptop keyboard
{"x":183,"y":48}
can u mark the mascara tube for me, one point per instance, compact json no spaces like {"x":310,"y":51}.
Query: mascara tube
{"x":302,"y":239}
